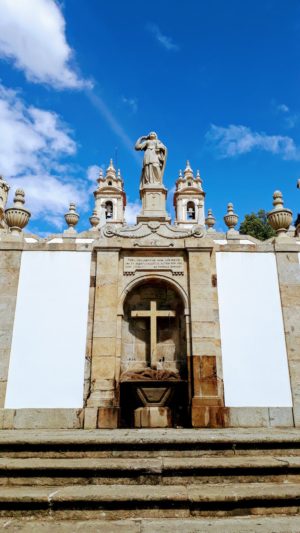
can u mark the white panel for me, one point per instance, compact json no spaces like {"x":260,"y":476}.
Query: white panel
{"x":253,"y":344}
{"x":49,"y":337}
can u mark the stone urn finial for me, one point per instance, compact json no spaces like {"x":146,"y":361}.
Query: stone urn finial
{"x":210,"y":221}
{"x":17,"y":217}
{"x":71,"y":218}
{"x":231,"y":219}
{"x":280,"y":218}
{"x":94,"y":220}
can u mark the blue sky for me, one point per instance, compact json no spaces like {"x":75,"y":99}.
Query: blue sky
{"x":81,"y":80}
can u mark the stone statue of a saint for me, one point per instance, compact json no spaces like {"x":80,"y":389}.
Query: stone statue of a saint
{"x":154,"y":159}
{"x":4,"y":188}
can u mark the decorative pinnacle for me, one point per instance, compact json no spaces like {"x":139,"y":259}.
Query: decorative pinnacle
{"x":100,"y":174}
{"x":280,"y":218}
{"x":199,"y":179}
{"x":19,"y":199}
{"x":110,"y":171}
{"x":111,"y":166}
{"x":71,"y":218}
{"x":180,"y":174}
{"x":94,"y":219}
{"x":277,"y":200}
{"x":230,"y":209}
{"x":231,"y":219}
{"x":119,"y":174}
{"x":188,"y":172}
{"x":210,"y":220}
{"x":17,"y":217}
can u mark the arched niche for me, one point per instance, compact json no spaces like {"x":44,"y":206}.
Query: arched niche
{"x":171,"y":330}
{"x":190,"y":211}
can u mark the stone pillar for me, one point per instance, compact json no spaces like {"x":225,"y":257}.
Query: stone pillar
{"x":208,"y":397}
{"x":103,"y":362}
{"x":10,"y":261}
{"x":289,"y":284}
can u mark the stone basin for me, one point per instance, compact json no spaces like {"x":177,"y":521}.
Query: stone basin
{"x":151,"y":395}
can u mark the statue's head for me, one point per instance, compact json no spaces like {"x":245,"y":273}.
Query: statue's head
{"x":152,"y":135}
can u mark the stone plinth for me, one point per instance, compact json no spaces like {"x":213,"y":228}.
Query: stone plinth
{"x":153,"y":203}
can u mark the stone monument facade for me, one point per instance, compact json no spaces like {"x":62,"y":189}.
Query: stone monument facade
{"x":149,"y":325}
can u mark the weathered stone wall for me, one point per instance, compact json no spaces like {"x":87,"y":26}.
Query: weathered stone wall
{"x":198,"y":287}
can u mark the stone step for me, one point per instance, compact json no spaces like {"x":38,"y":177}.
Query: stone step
{"x":148,"y":443}
{"x":146,"y":501}
{"x":249,"y":524}
{"x":160,"y":470}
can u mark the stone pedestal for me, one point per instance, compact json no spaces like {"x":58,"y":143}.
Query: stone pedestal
{"x":153,"y":203}
{"x":153,"y":417}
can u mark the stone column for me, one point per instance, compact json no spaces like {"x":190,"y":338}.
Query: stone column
{"x":289,"y":284}
{"x":208,"y":398}
{"x":103,"y":362}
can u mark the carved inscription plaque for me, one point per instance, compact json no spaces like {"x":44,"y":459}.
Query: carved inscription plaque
{"x":174,"y":264}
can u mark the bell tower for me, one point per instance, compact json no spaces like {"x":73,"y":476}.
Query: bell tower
{"x":189,"y":199}
{"x":110,"y":198}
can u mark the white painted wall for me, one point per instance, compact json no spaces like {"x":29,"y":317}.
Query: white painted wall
{"x":252,"y":336}
{"x":49,"y":336}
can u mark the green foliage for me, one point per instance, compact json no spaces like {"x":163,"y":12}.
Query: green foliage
{"x":257,"y":225}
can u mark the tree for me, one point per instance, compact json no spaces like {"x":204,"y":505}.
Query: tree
{"x":257,"y":225}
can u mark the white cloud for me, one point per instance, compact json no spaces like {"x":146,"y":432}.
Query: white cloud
{"x":235,"y":140}
{"x":93,"y":173}
{"x":131,"y":103}
{"x":33,"y":145}
{"x":163,"y":40}
{"x":47,"y":197}
{"x":32,"y":35}
{"x":132,"y":209}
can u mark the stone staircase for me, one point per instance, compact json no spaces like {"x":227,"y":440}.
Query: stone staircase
{"x":235,"y":480}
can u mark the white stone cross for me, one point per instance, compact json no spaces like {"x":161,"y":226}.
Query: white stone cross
{"x":153,"y":314}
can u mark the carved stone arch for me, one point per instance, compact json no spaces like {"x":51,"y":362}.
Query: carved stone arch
{"x":154,"y":277}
